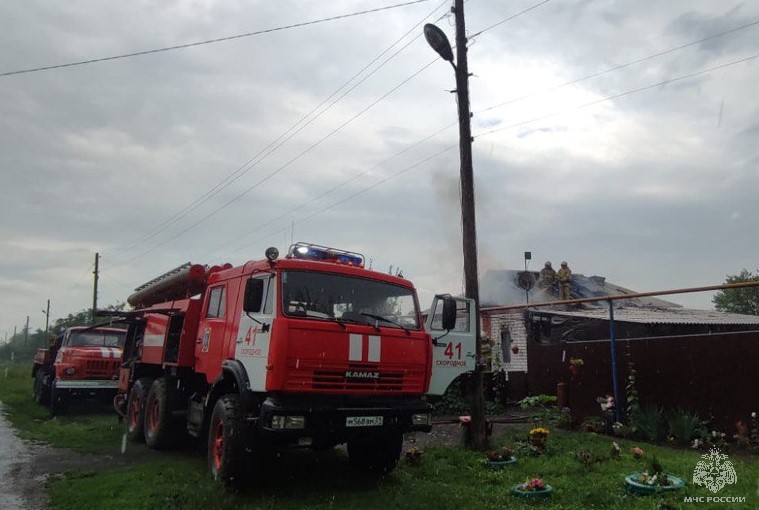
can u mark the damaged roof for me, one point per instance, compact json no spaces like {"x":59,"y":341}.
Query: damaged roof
{"x":501,"y":288}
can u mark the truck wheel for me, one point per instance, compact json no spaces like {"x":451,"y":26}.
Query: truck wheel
{"x":160,"y":425}
{"x":226,"y":441}
{"x":135,"y":419}
{"x":41,"y":391}
{"x":58,"y":399}
{"x":376,"y":455}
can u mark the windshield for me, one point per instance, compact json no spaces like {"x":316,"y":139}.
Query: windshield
{"x":97,"y":338}
{"x":346,"y":298}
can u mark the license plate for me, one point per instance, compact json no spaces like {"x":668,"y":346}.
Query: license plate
{"x":363,"y":421}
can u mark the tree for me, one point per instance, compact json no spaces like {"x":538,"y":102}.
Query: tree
{"x":745,"y":301}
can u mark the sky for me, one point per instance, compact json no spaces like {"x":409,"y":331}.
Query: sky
{"x":618,"y":136}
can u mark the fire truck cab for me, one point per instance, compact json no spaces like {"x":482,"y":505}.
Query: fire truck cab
{"x":80,"y":363}
{"x":312,"y":350}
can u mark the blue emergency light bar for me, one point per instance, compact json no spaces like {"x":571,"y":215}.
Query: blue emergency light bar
{"x":324,"y":254}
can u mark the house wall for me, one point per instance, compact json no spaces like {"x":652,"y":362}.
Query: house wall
{"x":513,"y":365}
{"x":713,"y":375}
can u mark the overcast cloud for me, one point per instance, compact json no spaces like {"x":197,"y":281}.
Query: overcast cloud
{"x":655,"y":189}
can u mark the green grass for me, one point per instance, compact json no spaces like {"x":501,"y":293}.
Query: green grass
{"x":93,"y":430}
{"x":448,"y":478}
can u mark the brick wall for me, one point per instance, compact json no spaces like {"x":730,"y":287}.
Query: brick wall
{"x":515,"y":325}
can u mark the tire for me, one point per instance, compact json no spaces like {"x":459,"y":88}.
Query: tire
{"x":41,"y":390}
{"x":58,"y":400}
{"x":160,"y":425}
{"x":135,"y":412}
{"x":226,"y":442}
{"x":376,"y":455}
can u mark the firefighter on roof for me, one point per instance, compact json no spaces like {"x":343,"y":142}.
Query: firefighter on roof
{"x":547,"y":276}
{"x":565,"y":281}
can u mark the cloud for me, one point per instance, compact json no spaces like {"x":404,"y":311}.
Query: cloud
{"x":652,"y":189}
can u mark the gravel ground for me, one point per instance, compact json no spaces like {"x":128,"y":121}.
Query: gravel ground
{"x":450,"y":434}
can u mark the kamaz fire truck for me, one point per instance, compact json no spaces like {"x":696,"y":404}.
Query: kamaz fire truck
{"x":80,"y":363}
{"x":313,"y":350}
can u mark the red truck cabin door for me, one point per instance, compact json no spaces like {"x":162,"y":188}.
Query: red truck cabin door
{"x":253,"y":338}
{"x":209,"y":346}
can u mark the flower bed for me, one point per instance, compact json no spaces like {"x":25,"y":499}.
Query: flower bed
{"x":643,"y":483}
{"x":532,"y":488}
{"x":500,"y":458}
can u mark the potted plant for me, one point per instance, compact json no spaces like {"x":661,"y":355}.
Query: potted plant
{"x":653,"y":480}
{"x":499,"y":458}
{"x":413,"y":455}
{"x":538,"y":438}
{"x":532,"y":488}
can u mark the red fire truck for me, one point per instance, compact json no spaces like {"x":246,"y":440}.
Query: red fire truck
{"x":82,"y":362}
{"x":313,"y":350}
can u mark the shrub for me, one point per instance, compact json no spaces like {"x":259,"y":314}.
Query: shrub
{"x":684,"y":426}
{"x":592,"y":424}
{"x":544,"y":407}
{"x":646,"y":422}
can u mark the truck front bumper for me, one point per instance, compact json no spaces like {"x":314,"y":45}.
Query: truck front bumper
{"x":70,"y":384}
{"x":329,"y":421}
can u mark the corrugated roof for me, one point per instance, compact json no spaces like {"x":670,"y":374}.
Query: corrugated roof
{"x":661,"y":316}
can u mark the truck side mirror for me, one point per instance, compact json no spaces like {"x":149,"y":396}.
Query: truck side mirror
{"x":254,"y":295}
{"x":449,"y":313}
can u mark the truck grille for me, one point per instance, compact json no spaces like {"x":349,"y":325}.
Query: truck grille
{"x":330,"y":377}
{"x":101,"y":368}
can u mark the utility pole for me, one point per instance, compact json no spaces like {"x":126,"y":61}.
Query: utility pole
{"x":47,"y":318}
{"x":26,"y":330}
{"x":468,"y":224}
{"x":95,"y":287}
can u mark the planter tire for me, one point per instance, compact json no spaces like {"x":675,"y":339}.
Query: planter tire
{"x":135,"y":418}
{"x":226,"y":442}
{"x":58,"y":399}
{"x":160,"y":424}
{"x":376,"y":455}
{"x":41,"y":390}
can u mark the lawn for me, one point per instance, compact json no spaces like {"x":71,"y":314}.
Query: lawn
{"x":447,"y":477}
{"x":93,"y":429}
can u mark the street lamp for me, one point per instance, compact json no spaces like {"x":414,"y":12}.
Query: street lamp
{"x":439,"y":42}
{"x":437,"y":39}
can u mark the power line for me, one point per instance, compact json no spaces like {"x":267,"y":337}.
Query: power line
{"x":486,"y":133}
{"x":361,"y":192}
{"x":623,"y":94}
{"x":284,"y":137}
{"x":208,"y":41}
{"x":514,"y":100}
{"x":215,"y":211}
{"x":625,"y":65}
{"x":520,"y":13}
{"x":423,"y":140}
{"x":342,"y":184}
{"x":290,"y":162}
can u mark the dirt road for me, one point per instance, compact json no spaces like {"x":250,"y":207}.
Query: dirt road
{"x":25,"y":466}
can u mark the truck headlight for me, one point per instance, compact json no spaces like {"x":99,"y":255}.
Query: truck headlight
{"x":70,"y":371}
{"x":288,"y":422}
{"x":421,"y":419}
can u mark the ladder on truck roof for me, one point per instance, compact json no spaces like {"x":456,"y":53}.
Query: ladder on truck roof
{"x":180,"y":283}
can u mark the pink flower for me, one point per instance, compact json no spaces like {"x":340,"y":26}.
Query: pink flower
{"x":637,"y":452}
{"x":536,"y":484}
